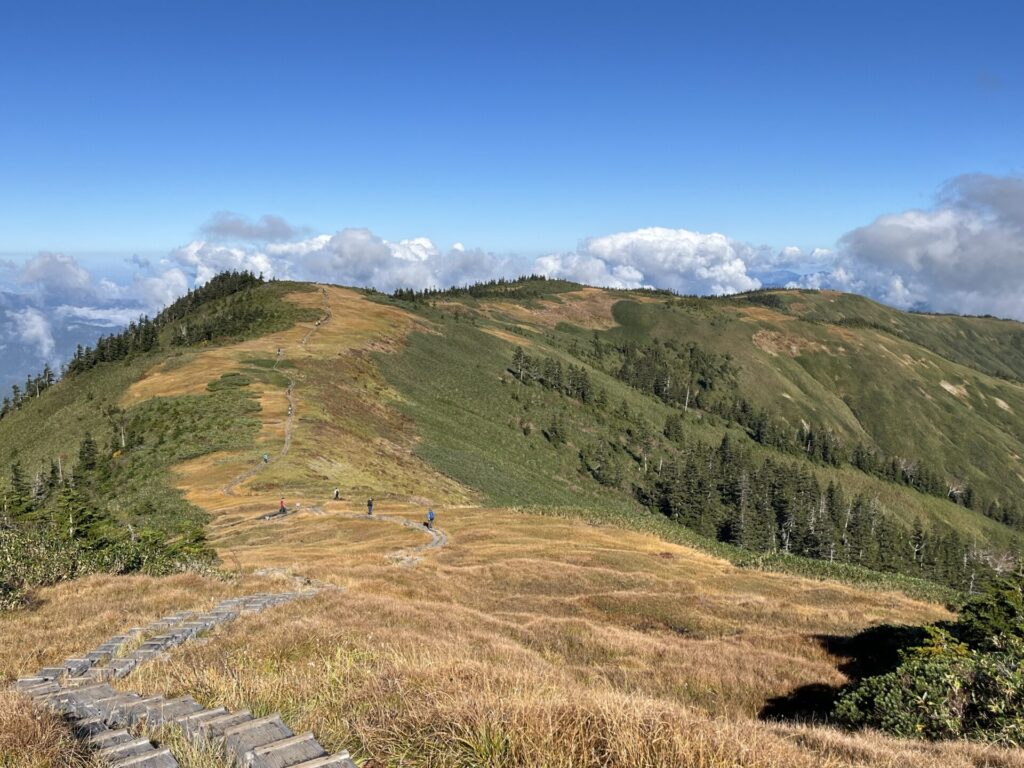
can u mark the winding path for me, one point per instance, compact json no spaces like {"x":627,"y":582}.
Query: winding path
{"x":109,"y":720}
{"x":231,"y":488}
{"x":79,"y":690}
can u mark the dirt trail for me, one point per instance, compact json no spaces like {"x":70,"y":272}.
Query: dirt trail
{"x":406,"y":556}
{"x":231,"y":489}
{"x":101,"y":715}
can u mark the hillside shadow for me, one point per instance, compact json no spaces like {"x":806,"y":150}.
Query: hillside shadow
{"x":874,"y":651}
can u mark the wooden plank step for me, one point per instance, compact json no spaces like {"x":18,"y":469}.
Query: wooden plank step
{"x":284,"y":753}
{"x":29,"y":682}
{"x":169,"y":710}
{"x":131,"y":748}
{"x":136,"y":711}
{"x":93,"y":692}
{"x":109,"y":738}
{"x":42,"y":689}
{"x":239,"y":739}
{"x":122,"y":667}
{"x":158,"y":758}
{"x":113,"y":709}
{"x":190,"y":723}
{"x":76,"y":667}
{"x":213,"y":729}
{"x":89,"y":727}
{"x":101,"y":674}
{"x":340,"y":760}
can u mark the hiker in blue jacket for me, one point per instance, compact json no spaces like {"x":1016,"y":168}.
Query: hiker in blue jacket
{"x":430,"y":518}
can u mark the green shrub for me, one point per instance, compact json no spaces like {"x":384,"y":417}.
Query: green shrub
{"x":964,"y":681}
{"x":945,"y":690}
{"x":998,"y":611}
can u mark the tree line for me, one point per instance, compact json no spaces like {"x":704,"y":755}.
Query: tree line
{"x":525,"y":287}
{"x":726,"y":493}
{"x":57,"y":524}
{"x":143,"y":335}
{"x":34,"y":387}
{"x":778,"y":506}
{"x":686,"y":375}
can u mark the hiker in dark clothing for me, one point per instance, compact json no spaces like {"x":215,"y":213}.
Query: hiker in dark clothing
{"x":369,"y":507}
{"x":337,"y":494}
{"x":282,"y":509}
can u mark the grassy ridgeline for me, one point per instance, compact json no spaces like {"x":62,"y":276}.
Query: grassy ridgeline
{"x":117,"y":509}
{"x":491,"y":433}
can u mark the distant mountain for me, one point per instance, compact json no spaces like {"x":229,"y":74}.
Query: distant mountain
{"x":777,"y":278}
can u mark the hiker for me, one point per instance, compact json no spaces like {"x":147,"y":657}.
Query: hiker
{"x":266,"y":458}
{"x":430,"y":518}
{"x":337,"y":494}
{"x":369,"y":507}
{"x":282,"y":510}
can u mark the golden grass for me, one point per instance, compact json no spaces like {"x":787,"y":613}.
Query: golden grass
{"x":586,"y":308}
{"x":526,"y":641}
{"x":509,"y":648}
{"x":33,"y":738}
{"x":344,"y":431}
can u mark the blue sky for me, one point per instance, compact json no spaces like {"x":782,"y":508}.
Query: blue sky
{"x":703,"y":147}
{"x":514,"y":127}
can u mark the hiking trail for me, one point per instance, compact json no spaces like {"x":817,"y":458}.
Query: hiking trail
{"x":121,"y":726}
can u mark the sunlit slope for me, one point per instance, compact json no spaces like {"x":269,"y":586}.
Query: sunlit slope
{"x":325,"y":398}
{"x":528,"y":638}
{"x":621,"y":650}
{"x":988,"y":344}
{"x":874,"y":387}
{"x":871,"y":388}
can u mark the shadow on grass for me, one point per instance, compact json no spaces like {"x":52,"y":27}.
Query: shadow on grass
{"x":874,"y":651}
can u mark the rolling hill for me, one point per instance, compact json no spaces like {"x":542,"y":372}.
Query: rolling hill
{"x":661,"y":514}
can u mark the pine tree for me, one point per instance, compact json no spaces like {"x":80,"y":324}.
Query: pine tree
{"x":87,"y":454}
{"x":519,"y":364}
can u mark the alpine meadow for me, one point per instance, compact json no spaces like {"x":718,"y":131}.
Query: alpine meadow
{"x":670,"y":530}
{"x":511,"y":385}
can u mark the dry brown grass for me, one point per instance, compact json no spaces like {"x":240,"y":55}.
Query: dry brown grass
{"x":507,"y":648}
{"x":33,"y":738}
{"x":345,"y":432}
{"x":74,"y":617}
{"x":586,"y":308}
{"x":526,"y":641}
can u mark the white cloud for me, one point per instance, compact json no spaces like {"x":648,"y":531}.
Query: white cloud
{"x":156,"y":291}
{"x":685,"y":261}
{"x":205,"y":260}
{"x":227,"y":225}
{"x":30,"y":327}
{"x":298,"y":248}
{"x":965,"y":255}
{"x":54,"y":274}
{"x":415,"y":249}
{"x":356,"y":256}
{"x":111,"y":317}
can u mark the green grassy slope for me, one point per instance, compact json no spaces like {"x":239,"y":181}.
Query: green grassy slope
{"x":988,"y":344}
{"x":119,"y":510}
{"x":873,"y":387}
{"x":795,"y":355}
{"x":484,"y":428}
{"x":471,"y":413}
